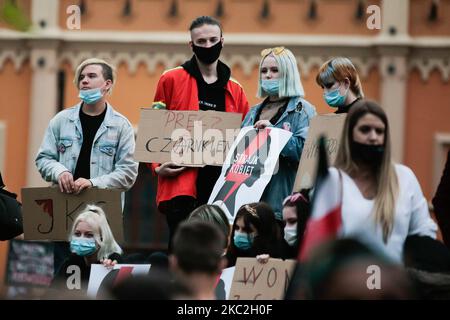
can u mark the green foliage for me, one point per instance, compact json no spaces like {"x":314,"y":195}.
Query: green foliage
{"x":14,"y":16}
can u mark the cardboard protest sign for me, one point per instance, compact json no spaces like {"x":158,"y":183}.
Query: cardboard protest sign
{"x":331,"y":126}
{"x":30,"y":263}
{"x":102,"y":277}
{"x":188,"y":138}
{"x":248,"y":168}
{"x":257,"y":281}
{"x":48,"y":214}
{"x":224,"y":284}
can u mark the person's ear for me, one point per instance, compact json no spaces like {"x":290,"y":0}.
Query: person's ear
{"x":173,"y":263}
{"x":108,"y":85}
{"x":191,"y":43}
{"x":221,"y":40}
{"x":223,"y":263}
{"x":347,"y":83}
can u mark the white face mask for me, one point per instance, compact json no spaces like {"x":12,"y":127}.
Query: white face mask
{"x":290,"y":234}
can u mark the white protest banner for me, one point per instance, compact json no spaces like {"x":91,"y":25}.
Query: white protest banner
{"x":48,"y":213}
{"x":224,"y":284}
{"x":248,"y":168}
{"x":188,"y":138}
{"x":253,"y":280}
{"x":100,"y":275}
{"x":329,"y":125}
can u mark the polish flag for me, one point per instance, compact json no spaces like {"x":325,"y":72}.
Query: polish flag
{"x":325,"y":219}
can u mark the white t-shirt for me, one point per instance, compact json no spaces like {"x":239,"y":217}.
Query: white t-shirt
{"x":411,"y":214}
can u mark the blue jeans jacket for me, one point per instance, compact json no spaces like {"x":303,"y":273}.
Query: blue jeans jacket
{"x":112,"y":162}
{"x":295,"y":119}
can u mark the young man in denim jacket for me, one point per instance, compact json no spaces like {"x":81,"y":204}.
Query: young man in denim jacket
{"x":90,"y":144}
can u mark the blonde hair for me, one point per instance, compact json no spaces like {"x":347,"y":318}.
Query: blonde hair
{"x":387,"y":182}
{"x":95,"y":217}
{"x":289,"y":80}
{"x":214,"y":214}
{"x":108,"y":71}
{"x":337,"y":69}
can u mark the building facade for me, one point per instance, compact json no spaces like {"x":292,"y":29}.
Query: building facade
{"x":401,"y":49}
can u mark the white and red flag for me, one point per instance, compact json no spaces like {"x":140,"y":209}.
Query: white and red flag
{"x":325,"y":220}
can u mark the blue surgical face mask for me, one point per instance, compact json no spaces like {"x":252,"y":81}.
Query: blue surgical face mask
{"x":334,"y":98}
{"x":90,"y":96}
{"x":83,"y":246}
{"x":271,"y":87}
{"x":243,"y":240}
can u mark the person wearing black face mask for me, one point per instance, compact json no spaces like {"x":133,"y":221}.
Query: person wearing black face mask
{"x":382,"y":202}
{"x":367,"y":154}
{"x":201,"y":83}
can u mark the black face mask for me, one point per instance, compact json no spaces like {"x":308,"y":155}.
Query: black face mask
{"x":208,"y":55}
{"x":368,"y":154}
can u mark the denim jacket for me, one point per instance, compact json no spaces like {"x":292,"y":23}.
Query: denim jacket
{"x":112,"y":162}
{"x":295,"y":119}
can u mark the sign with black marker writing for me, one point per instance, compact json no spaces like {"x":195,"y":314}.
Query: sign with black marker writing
{"x":188,"y":138}
{"x":48,"y":214}
{"x":331,"y":126}
{"x":253,"y":280}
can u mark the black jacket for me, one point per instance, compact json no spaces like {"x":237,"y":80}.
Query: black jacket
{"x":441,"y":203}
{"x":63,"y":274}
{"x":11,"y":224}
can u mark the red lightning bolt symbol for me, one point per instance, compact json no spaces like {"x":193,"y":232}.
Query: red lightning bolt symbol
{"x":258,"y":141}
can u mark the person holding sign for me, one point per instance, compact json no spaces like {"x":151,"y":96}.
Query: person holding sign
{"x":201,"y":83}
{"x":91,"y":242}
{"x":340,"y":83}
{"x":255,"y":232}
{"x":283,"y":107}
{"x":382,"y":202}
{"x":90,"y":144}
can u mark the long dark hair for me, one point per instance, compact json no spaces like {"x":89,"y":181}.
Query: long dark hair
{"x":303,"y":209}
{"x":262,"y":217}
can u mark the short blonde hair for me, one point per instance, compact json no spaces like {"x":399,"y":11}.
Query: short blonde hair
{"x":95,"y":217}
{"x":108,"y":71}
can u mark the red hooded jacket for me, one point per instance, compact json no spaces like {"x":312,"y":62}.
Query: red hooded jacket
{"x":177,"y":90}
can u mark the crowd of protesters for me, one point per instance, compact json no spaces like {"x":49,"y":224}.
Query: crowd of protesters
{"x":384,"y":218}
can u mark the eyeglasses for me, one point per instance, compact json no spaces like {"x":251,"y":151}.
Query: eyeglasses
{"x":276,"y":51}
